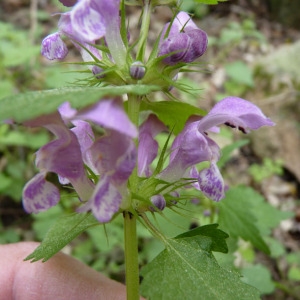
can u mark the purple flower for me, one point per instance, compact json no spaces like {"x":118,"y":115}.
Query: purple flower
{"x":185,"y":41}
{"x":61,"y":156}
{"x":193,"y":146}
{"x":112,"y":157}
{"x":148,"y":146}
{"x":88,"y":21}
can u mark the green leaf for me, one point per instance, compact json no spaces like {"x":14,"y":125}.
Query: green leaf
{"x":209,"y":1}
{"x":260,"y":277}
{"x":237,"y":217}
{"x":294,"y":273}
{"x":62,"y":232}
{"x":268,"y":217}
{"x":185,"y":271}
{"x":240,"y":73}
{"x":29,"y":105}
{"x":18,"y":138}
{"x":172,"y":113}
{"x":216,"y":237}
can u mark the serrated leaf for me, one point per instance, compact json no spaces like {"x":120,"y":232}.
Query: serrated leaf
{"x":29,"y":105}
{"x":216,"y":236}
{"x":237,"y":217}
{"x":62,"y":232}
{"x":185,"y":271}
{"x":173,"y":114}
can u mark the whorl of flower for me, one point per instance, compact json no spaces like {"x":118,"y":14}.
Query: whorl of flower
{"x":88,"y":21}
{"x":112,"y":157}
{"x":184,"y":43}
{"x":61,"y":156}
{"x":193,"y":146}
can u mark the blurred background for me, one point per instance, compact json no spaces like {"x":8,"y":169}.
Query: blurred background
{"x":253,"y":53}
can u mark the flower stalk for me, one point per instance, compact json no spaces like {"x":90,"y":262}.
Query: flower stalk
{"x":131,"y":256}
{"x":130,"y":235}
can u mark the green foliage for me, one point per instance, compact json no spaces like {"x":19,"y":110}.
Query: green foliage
{"x":198,"y":10}
{"x":22,"y":137}
{"x":61,"y":233}
{"x":237,"y":217}
{"x":9,"y":235}
{"x":209,"y":1}
{"x":193,"y":271}
{"x":245,"y":213}
{"x":45,"y":220}
{"x":32,"y":104}
{"x":14,"y":64}
{"x":265,"y":170}
{"x":215,"y":236}
{"x":235,"y":32}
{"x":260,"y":277}
{"x":173,"y":114}
{"x":240,"y":73}
{"x":12,"y":41}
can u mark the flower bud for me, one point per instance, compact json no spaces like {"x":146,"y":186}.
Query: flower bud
{"x":53,"y":47}
{"x":97,"y":72}
{"x":158,"y":201}
{"x":185,"y":41}
{"x":137,"y":70}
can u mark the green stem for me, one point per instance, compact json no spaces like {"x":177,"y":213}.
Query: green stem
{"x":130,"y":235}
{"x":131,"y":256}
{"x":133,"y":113}
{"x":144,"y":30}
{"x":134,"y":108}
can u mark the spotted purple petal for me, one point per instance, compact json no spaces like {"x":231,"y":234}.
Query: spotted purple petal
{"x":88,"y":23}
{"x":53,"y":47}
{"x":211,"y":182}
{"x":39,"y":194}
{"x":62,"y":155}
{"x":105,"y":201}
